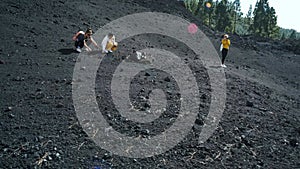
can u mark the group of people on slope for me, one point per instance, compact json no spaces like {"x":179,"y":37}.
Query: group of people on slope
{"x":109,"y":43}
{"x":81,"y":38}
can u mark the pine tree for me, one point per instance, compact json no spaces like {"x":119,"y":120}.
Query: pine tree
{"x":272,"y":28}
{"x":204,"y":13}
{"x":293,"y":35}
{"x":232,"y":13}
{"x":257,"y":27}
{"x":248,"y":19}
{"x":249,"y":14}
{"x":237,"y":13}
{"x":222,"y":18}
{"x":200,"y":8}
{"x":225,"y":15}
{"x":210,"y":12}
{"x":191,"y":5}
{"x":264,"y":20}
{"x":283,"y":36}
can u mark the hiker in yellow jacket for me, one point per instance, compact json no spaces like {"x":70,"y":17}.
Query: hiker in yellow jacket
{"x":225,"y":44}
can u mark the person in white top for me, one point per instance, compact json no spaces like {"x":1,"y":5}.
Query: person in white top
{"x":109,"y":43}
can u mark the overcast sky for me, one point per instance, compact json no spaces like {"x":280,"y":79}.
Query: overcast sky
{"x":287,"y":11}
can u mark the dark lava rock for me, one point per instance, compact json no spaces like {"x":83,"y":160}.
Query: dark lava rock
{"x":263,"y":109}
{"x":8,"y":109}
{"x":249,"y":104}
{"x":294,"y":142}
{"x":11,"y":115}
{"x":59,"y":105}
{"x":199,"y":122}
{"x":18,"y":79}
{"x":203,"y":96}
{"x":167,"y":79}
{"x":147,"y":74}
{"x":107,"y":156}
{"x":145,"y":132}
{"x":147,"y":105}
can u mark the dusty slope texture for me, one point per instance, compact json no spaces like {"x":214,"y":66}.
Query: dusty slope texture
{"x":259,"y":128}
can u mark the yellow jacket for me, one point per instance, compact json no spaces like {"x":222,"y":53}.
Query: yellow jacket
{"x":226,"y":43}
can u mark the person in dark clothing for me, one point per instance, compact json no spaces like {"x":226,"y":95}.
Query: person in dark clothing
{"x":81,"y":39}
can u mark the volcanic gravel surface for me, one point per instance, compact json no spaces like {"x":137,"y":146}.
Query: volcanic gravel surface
{"x":260,"y":127}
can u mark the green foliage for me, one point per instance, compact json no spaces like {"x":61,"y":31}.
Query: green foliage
{"x":293,"y":35}
{"x":264,"y":20}
{"x":210,"y":12}
{"x":222,"y":16}
{"x":205,"y":14}
{"x":289,"y":34}
{"x":249,"y":14}
{"x":226,"y":16}
{"x":237,"y":14}
{"x":191,"y":5}
{"x":248,"y":20}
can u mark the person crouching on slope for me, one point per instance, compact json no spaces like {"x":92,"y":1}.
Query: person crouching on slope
{"x":109,"y":43}
{"x":226,"y":44}
{"x":81,"y":39}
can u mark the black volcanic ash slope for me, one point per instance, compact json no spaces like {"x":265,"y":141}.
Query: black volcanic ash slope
{"x":259,"y":128}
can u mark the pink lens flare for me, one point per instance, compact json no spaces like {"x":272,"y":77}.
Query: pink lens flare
{"x":192,"y":28}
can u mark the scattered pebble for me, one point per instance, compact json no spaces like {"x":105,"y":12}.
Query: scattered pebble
{"x":8,"y":109}
{"x":263,"y":109}
{"x":294,"y":142}
{"x":11,"y":115}
{"x":57,"y":155}
{"x":40,"y":138}
{"x":36,"y":155}
{"x":106,"y":156}
{"x":18,"y":79}
{"x":59,"y":105}
{"x":249,"y":104}
{"x":199,"y":122}
{"x":167,"y":79}
{"x":147,"y":74}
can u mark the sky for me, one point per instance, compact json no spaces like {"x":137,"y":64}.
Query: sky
{"x":287,"y":11}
